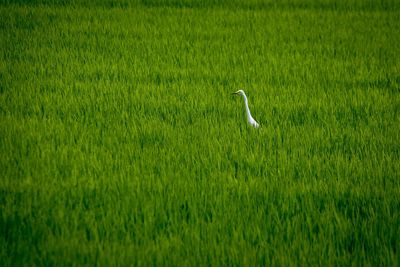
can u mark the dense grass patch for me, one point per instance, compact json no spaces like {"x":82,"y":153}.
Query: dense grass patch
{"x":120,"y":143}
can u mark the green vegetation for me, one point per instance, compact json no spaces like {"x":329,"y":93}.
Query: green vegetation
{"x":120,"y":143}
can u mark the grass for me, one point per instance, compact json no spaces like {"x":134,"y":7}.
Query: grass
{"x":120,"y":143}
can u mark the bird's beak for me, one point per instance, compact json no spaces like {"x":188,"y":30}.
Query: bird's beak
{"x":235,"y":93}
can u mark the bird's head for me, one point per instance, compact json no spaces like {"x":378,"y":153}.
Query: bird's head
{"x":239,"y":92}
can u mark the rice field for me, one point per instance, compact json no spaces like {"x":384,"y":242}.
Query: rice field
{"x":121,"y":144}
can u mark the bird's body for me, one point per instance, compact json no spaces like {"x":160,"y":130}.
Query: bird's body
{"x":250,"y":118}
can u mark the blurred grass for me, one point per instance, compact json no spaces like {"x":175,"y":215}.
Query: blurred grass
{"x":358,"y":5}
{"x":120,"y":143}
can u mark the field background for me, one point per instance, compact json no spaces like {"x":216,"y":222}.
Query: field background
{"x":120,"y":143}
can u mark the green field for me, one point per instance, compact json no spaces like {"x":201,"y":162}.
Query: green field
{"x":121,"y":144}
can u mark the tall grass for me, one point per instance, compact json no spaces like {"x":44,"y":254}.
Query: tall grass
{"x":120,"y":143}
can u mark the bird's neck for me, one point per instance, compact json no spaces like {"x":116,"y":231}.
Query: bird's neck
{"x":247,"y":107}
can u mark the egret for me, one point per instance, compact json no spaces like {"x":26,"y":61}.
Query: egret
{"x":250,"y":119}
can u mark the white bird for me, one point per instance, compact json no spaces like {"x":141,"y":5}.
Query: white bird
{"x":250,"y":119}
